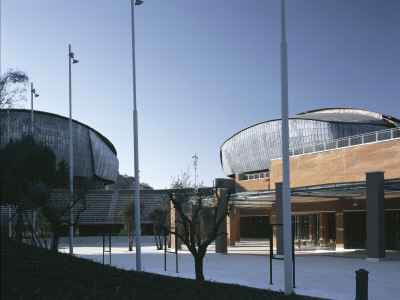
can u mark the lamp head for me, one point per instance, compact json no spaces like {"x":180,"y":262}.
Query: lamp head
{"x":138,"y":2}
{"x":36,"y":95}
{"x":75,"y":61}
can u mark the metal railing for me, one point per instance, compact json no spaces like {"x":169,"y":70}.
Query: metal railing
{"x":366,"y":138}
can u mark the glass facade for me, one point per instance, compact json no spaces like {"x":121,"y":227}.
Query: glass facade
{"x":254,"y":227}
{"x":356,"y":230}
{"x":314,"y":231}
{"x":93,"y":153}
{"x":392,"y":229}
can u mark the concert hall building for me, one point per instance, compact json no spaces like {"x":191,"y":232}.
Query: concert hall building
{"x":344,"y":179}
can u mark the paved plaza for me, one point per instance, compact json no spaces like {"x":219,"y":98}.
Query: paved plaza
{"x":325,"y":274}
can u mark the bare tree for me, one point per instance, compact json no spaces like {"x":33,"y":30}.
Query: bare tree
{"x":192,"y":207}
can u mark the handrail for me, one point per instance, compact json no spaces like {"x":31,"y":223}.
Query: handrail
{"x":360,"y":139}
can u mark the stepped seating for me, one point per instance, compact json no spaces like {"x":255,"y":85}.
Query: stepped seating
{"x":148,"y":202}
{"x":100,"y":207}
{"x":97,"y":208}
{"x":4,"y":214}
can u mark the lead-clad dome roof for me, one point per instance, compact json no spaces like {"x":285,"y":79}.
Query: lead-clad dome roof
{"x":252,"y":148}
{"x":346,"y":115}
{"x":93,"y":154}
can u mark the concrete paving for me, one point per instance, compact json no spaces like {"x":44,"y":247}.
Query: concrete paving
{"x":326,"y":274}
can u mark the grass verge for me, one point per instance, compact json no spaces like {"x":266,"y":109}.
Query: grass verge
{"x":34,"y":273}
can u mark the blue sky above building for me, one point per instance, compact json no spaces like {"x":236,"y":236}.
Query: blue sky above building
{"x":205,"y":69}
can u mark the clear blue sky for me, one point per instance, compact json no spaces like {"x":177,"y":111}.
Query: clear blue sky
{"x":205,"y":69}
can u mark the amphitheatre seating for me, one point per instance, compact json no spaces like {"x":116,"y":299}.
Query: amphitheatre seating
{"x":103,"y":206}
{"x":97,"y":207}
{"x":149,"y":200}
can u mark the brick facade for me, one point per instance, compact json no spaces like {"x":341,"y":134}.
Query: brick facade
{"x":341,"y":165}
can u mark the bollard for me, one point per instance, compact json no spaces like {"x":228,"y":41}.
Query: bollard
{"x":362,"y":284}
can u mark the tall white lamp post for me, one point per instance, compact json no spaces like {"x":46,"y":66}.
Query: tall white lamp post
{"x":71,"y":60}
{"x":8,"y":205}
{"x":287,"y":226}
{"x":135,"y":142}
{"x":33,"y":94}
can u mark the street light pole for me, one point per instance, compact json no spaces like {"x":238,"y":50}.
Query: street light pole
{"x":33,"y":93}
{"x":287,"y":226}
{"x":8,"y":205}
{"x":71,"y":60}
{"x":136,"y":143}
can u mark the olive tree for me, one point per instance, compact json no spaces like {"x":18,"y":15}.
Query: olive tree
{"x":161,"y":215}
{"x":56,"y":204}
{"x":29,"y":177}
{"x":191,"y":206}
{"x":128,"y":215}
{"x":25,"y":164}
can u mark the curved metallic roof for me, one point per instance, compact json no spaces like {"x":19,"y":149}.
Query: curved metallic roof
{"x":340,"y":114}
{"x":94,"y":154}
{"x":103,"y":138}
{"x":347,"y":115}
{"x":252,"y":148}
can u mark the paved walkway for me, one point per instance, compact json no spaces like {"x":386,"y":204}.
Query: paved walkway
{"x":325,"y":274}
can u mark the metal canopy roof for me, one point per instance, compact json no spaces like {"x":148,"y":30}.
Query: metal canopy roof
{"x":334,"y":190}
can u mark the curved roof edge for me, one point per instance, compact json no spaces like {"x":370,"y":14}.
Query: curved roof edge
{"x":392,"y":120}
{"x":344,"y":110}
{"x":103,"y":138}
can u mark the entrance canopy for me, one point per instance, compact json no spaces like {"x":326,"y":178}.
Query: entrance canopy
{"x":334,"y":190}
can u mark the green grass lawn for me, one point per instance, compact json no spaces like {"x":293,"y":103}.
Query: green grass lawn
{"x":33,"y":273}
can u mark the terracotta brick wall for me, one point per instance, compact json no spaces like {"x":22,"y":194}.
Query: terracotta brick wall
{"x":253,"y":185}
{"x":341,"y":165}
